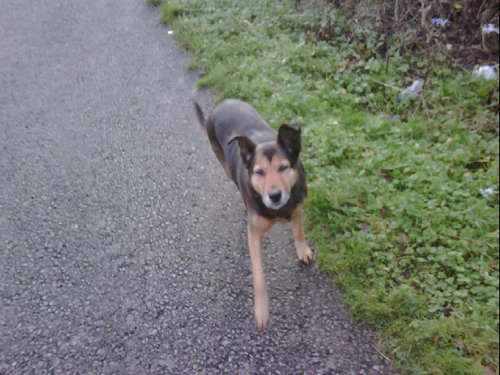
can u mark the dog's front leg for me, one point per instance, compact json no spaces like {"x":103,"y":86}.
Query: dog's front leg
{"x":257,"y":226}
{"x":304,"y":252}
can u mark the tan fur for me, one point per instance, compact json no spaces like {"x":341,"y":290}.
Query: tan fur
{"x":304,"y":252}
{"x":272,"y":177}
{"x":257,"y":226}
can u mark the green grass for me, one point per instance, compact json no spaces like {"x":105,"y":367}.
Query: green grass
{"x":395,"y":209}
{"x":154,"y":3}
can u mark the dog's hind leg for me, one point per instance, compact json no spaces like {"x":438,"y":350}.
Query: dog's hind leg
{"x":257,"y":226}
{"x":304,"y":252}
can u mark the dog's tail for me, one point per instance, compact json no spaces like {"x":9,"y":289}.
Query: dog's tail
{"x":199,"y":114}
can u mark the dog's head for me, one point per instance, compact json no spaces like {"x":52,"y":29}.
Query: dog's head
{"x":273,"y":166}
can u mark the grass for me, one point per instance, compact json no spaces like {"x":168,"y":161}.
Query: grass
{"x":395,"y":209}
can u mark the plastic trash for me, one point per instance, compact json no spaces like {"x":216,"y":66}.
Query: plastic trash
{"x":489,"y":28}
{"x":486,"y":71}
{"x":414,"y":90}
{"x":170,"y":32}
{"x":440,"y":22}
{"x":487,"y":192}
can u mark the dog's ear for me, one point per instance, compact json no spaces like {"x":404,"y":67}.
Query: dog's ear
{"x":246,"y":147}
{"x":290,"y":141}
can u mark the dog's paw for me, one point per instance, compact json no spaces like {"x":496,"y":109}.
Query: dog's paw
{"x":261,"y":312}
{"x":304,"y":253}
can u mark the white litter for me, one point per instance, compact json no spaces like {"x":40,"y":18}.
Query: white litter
{"x":487,"y":192}
{"x":489,"y":28}
{"x":170,"y":32}
{"x":414,"y":90}
{"x":486,"y":71}
{"x":440,"y":22}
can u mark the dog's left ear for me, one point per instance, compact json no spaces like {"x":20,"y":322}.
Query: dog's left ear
{"x":290,"y":140}
{"x":246,"y":148}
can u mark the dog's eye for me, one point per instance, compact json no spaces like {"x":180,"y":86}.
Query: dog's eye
{"x":283,"y":167}
{"x":259,"y":171}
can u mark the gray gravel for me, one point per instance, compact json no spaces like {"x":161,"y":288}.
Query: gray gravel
{"x":122,"y":243}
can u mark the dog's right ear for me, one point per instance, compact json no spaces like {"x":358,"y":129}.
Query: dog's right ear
{"x":290,"y":140}
{"x":246,"y":147}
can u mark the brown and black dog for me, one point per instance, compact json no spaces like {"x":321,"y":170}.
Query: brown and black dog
{"x":266,"y":169}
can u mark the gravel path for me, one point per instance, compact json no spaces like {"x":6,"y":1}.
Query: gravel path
{"x":122,"y":243}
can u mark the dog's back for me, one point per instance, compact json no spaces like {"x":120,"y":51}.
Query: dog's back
{"x":234,"y":117}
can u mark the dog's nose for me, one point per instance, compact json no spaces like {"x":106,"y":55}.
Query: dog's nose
{"x":275,"y":195}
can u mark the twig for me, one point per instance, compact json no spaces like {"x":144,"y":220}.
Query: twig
{"x":455,"y":63}
{"x":424,"y":10}
{"x":429,"y":60}
{"x":381,"y":354}
{"x":480,"y":10}
{"x":387,"y":60}
{"x":425,"y":105}
{"x":387,"y":85}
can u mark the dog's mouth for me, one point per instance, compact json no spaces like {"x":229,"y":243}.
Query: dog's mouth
{"x":275,"y":200}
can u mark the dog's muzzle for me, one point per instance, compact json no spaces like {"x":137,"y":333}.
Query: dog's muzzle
{"x":275,"y":199}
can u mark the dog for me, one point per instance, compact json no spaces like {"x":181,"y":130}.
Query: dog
{"x":266,"y":169}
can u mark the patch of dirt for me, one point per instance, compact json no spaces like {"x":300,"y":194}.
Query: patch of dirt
{"x":416,"y":26}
